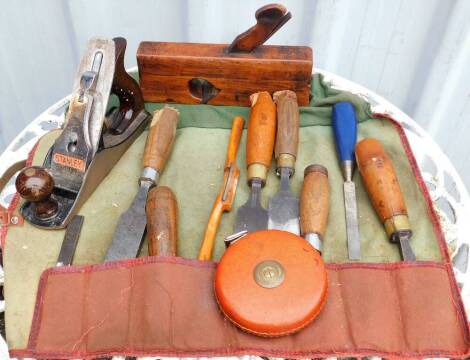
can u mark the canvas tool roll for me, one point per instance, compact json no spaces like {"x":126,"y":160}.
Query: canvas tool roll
{"x":165,"y":306}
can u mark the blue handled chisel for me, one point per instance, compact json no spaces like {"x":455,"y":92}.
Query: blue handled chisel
{"x":345,"y":132}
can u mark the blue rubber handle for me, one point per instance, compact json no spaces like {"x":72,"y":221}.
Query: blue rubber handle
{"x":345,"y":129}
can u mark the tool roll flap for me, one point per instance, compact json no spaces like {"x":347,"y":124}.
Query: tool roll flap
{"x":165,"y":306}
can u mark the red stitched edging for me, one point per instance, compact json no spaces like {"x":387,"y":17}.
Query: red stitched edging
{"x":436,"y":225}
{"x":16,"y":199}
{"x":225,"y":352}
{"x":213,"y":352}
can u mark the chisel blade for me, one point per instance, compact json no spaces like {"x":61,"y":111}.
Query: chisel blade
{"x":284,"y":213}
{"x":352,"y":223}
{"x":252,"y":216}
{"x":130,"y":230}
{"x":283,"y":208}
{"x":406,"y":251}
{"x":69,"y":244}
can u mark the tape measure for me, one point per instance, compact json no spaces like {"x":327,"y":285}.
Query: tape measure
{"x":271,"y":283}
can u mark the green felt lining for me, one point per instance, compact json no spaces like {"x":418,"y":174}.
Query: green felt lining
{"x":195,"y":173}
{"x":318,"y":113}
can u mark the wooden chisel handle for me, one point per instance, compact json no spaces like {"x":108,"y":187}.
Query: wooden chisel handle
{"x":160,"y":138}
{"x":314,"y":204}
{"x":382,"y":185}
{"x":287,"y":136}
{"x":234,"y":141}
{"x":162,"y":223}
{"x":260,"y":137}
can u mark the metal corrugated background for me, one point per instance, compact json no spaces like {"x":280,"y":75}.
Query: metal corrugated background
{"x":415,"y":53}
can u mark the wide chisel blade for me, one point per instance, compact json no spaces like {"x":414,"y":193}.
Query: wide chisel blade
{"x":259,"y":151}
{"x":352,"y":226}
{"x":252,"y":216}
{"x":130,"y":230}
{"x":284,"y":209}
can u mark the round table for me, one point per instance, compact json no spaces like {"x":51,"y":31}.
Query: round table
{"x":450,"y":197}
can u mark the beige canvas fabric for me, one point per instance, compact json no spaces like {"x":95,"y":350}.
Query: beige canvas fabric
{"x":194,"y":172}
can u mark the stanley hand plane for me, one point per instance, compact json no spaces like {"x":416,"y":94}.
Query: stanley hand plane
{"x":93,"y":138}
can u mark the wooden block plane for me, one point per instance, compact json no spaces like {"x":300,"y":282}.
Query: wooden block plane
{"x":221,"y":74}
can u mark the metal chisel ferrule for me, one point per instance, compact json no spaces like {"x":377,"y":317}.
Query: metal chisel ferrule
{"x":314,"y":240}
{"x":149,"y":175}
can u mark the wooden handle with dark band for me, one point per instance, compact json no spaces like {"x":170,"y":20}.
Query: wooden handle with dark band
{"x":287,"y":136}
{"x":382,"y":185}
{"x":261,"y":135}
{"x":314,"y":201}
{"x":160,"y":138}
{"x":162,"y":223}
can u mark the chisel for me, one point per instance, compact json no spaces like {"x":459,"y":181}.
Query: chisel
{"x":384,"y":192}
{"x":314,"y":204}
{"x":345,"y":132}
{"x":283,"y":207}
{"x":224,"y":200}
{"x":259,"y":151}
{"x":130,"y":230}
{"x":162,"y":222}
{"x":69,"y":244}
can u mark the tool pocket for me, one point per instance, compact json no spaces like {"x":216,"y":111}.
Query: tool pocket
{"x":166,"y":307}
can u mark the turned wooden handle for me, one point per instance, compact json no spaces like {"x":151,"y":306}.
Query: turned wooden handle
{"x":234,"y":141}
{"x":314,"y":201}
{"x":269,"y":19}
{"x":380,"y":179}
{"x":287,"y":136}
{"x":162,"y":224}
{"x":261,"y":135}
{"x":160,"y":138}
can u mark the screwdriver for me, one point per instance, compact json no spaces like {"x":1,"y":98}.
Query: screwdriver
{"x":345,"y":131}
{"x":384,"y":192}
